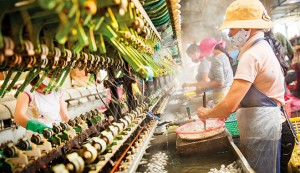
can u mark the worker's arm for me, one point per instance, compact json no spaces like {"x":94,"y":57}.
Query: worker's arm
{"x":63,"y":110}
{"x":229,"y":104}
{"x":21,"y":108}
{"x":188,"y":85}
{"x":218,"y":76}
{"x":212,"y":85}
{"x":204,"y":77}
{"x":197,"y":84}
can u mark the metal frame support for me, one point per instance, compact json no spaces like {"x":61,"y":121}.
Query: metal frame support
{"x":267,"y":5}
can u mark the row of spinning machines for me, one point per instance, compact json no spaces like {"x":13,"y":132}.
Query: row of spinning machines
{"x":54,"y":37}
{"x":91,"y":142}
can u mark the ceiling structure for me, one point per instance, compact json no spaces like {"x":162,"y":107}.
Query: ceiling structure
{"x":284,"y":11}
{"x":200,"y":19}
{"x":285,"y":8}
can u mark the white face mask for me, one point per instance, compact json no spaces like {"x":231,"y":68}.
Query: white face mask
{"x":240,"y":38}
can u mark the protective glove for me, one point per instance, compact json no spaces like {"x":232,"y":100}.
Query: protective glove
{"x":36,"y":126}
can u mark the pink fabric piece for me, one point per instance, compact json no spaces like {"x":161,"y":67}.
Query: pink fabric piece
{"x":120,"y":92}
{"x":102,"y":109}
{"x":295,"y":103}
{"x":108,"y":96}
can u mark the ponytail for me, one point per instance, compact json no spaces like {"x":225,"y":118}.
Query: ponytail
{"x":277,"y":49}
{"x":220,"y":48}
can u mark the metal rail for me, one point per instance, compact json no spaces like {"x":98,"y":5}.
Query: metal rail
{"x":141,"y":151}
{"x":115,"y":148}
{"x":145,"y":15}
{"x":139,"y":154}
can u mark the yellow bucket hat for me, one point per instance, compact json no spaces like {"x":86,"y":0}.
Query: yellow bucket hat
{"x":247,"y":14}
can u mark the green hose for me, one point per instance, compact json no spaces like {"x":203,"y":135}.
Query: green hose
{"x":162,"y":19}
{"x":156,"y":10}
{"x":159,"y":15}
{"x":162,"y":23}
{"x":150,"y":2}
{"x":156,"y":5}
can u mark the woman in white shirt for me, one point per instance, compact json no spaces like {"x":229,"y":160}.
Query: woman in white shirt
{"x":37,"y":111}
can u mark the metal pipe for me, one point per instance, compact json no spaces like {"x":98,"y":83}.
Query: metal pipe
{"x":125,"y":152}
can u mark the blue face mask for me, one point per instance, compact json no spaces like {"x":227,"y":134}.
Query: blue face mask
{"x":240,"y":38}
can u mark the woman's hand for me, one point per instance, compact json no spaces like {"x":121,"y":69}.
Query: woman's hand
{"x":63,"y":110}
{"x":65,"y":117}
{"x":199,"y":90}
{"x":202,"y":113}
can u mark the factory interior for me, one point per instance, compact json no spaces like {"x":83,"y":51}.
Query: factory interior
{"x":141,"y":86}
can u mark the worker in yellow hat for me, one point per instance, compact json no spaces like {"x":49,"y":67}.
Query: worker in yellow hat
{"x":257,"y":92}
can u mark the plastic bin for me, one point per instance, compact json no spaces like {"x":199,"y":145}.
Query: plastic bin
{"x":294,"y":164}
{"x":231,"y":125}
{"x":296,"y":124}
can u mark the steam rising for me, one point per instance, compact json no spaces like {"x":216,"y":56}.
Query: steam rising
{"x":200,"y":19}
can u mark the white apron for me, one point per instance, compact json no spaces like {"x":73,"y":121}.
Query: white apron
{"x":260,"y":132}
{"x":259,"y":122}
